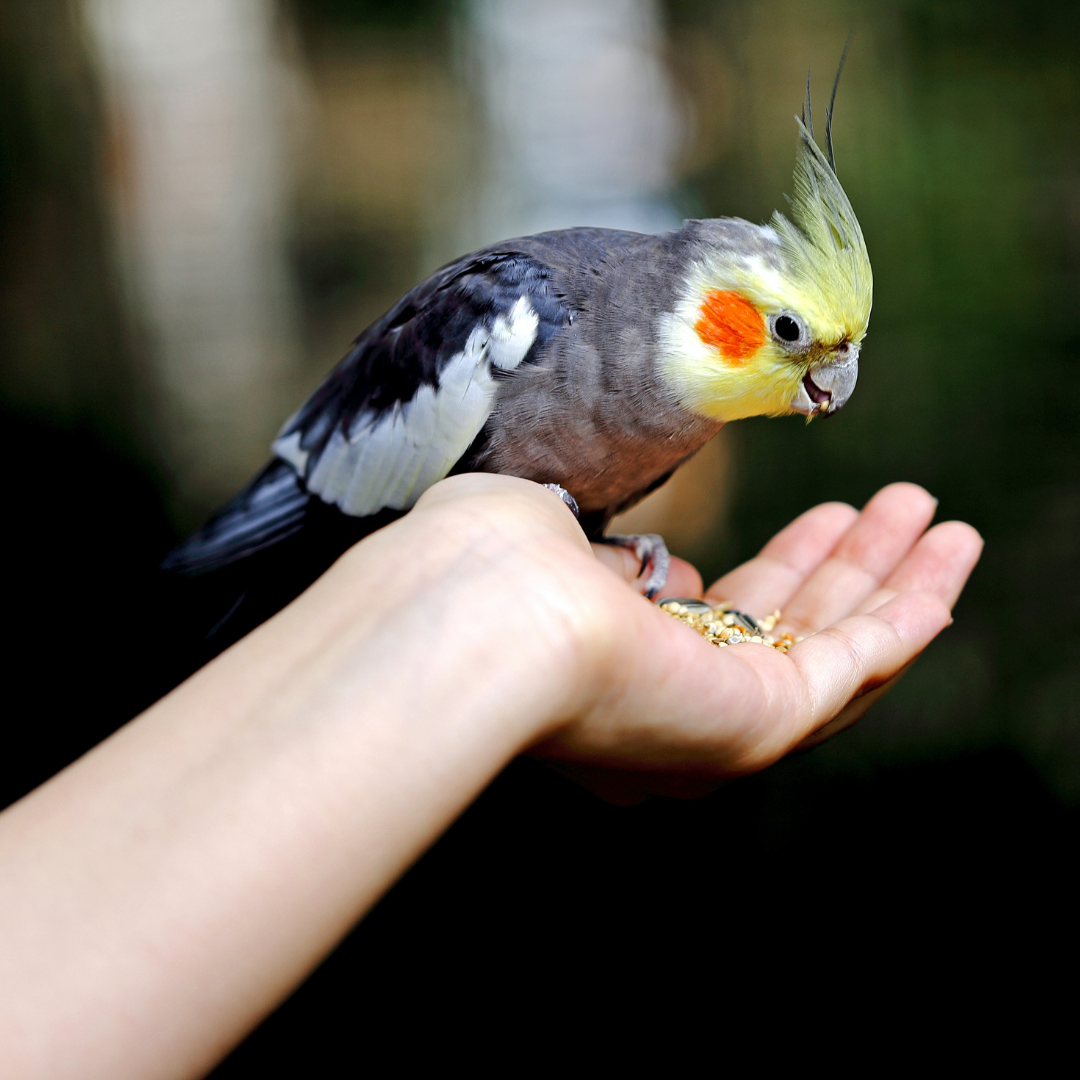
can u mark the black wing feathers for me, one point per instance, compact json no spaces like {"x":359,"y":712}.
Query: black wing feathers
{"x":387,"y":364}
{"x":410,"y":345}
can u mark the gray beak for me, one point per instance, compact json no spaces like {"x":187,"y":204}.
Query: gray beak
{"x":826,"y":388}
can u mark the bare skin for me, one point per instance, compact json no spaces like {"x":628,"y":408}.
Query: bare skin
{"x":166,"y":891}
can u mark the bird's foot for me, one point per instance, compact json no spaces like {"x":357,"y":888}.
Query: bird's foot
{"x":566,"y":498}
{"x":648,"y":547}
{"x":654,"y":556}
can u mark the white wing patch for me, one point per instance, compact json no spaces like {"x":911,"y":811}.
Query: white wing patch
{"x":512,"y":336}
{"x":288,"y":449}
{"x":391,"y":460}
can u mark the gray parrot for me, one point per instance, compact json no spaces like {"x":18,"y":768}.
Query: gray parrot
{"x":591,"y":360}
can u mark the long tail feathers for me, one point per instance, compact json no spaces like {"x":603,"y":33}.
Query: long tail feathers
{"x":272,"y":507}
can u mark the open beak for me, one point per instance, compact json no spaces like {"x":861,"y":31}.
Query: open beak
{"x":826,"y":387}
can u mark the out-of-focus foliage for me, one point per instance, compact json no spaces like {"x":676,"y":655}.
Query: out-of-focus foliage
{"x":65,"y":351}
{"x":82,"y":521}
{"x":958,"y":140}
{"x":385,"y":135}
{"x":378,"y":14}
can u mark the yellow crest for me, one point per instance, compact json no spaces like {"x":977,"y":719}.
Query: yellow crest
{"x":824,"y":245}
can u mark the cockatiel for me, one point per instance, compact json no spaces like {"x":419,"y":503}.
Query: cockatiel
{"x":591,"y":359}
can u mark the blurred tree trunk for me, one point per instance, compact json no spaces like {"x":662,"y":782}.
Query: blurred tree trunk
{"x":200,"y":98}
{"x":66,"y":352}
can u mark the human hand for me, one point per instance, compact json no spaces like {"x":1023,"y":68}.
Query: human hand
{"x":487,"y":599}
{"x":867,"y":591}
{"x":315,"y":759}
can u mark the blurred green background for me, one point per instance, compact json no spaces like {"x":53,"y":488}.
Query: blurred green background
{"x":958,"y":141}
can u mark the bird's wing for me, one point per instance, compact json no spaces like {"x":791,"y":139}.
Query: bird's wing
{"x":414,"y":391}
{"x":398,"y":411}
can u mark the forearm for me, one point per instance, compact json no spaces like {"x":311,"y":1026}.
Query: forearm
{"x":173,"y":885}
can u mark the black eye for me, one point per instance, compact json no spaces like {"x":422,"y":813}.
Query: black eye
{"x":786,"y":328}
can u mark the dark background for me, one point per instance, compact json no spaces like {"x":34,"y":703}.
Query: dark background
{"x":949,"y":815}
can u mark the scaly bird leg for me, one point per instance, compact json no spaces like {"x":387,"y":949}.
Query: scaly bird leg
{"x":654,"y":556}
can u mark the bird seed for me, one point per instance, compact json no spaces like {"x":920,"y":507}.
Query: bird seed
{"x":722,"y":625}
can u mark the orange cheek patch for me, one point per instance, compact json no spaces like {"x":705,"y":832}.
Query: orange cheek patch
{"x":731,"y":323}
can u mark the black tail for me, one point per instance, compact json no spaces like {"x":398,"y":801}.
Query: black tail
{"x":270,"y":509}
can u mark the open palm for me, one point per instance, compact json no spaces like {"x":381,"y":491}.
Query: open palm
{"x":867,"y":591}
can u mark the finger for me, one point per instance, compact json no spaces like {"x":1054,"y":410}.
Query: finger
{"x":890,"y":524}
{"x":683,"y":579}
{"x":851,"y":713}
{"x":861,"y":653}
{"x":676,"y":705}
{"x":939,"y":563}
{"x":772,"y":577}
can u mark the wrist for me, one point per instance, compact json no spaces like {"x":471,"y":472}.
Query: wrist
{"x":465,"y":633}
{"x":489,"y":614}
{"x":490,"y":575}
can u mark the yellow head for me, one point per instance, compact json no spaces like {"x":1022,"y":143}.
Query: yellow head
{"x":772,"y":317}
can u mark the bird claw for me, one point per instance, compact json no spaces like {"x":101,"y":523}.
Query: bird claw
{"x":653,"y":553}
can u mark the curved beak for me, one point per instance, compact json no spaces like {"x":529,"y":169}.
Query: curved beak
{"x":826,"y":388}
